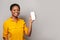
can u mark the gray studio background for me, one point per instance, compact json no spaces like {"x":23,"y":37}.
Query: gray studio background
{"x":47,"y":23}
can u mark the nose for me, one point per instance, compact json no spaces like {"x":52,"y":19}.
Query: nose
{"x":16,"y":11}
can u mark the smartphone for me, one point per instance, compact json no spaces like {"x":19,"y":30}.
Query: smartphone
{"x":32,"y":14}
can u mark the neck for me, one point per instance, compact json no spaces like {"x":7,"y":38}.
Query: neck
{"x":14,"y":18}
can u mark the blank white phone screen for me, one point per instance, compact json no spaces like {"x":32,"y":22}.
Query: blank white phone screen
{"x":32,"y":15}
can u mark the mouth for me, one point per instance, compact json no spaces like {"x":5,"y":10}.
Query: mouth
{"x":15,"y":14}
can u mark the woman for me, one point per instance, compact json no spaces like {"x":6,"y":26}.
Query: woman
{"x":15,"y":28}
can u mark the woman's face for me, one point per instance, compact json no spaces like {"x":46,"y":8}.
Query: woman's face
{"x":15,"y":11}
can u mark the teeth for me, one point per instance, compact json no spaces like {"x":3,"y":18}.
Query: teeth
{"x":15,"y":13}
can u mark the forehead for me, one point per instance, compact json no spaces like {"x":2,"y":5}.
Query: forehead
{"x":15,"y":7}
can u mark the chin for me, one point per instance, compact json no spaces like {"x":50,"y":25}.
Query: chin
{"x":16,"y":16}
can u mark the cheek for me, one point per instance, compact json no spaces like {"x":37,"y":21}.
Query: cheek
{"x":12,"y":12}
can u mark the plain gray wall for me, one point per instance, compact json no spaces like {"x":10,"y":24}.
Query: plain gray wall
{"x":47,"y":23}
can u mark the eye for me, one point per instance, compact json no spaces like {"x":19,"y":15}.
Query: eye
{"x":17,"y":10}
{"x":14,"y":10}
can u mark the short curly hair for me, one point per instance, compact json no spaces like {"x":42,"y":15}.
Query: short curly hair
{"x":15,"y":4}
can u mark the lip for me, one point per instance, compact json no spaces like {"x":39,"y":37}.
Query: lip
{"x":16,"y":13}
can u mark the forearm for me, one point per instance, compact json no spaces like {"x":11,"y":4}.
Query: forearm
{"x":5,"y":38}
{"x":30,"y":29}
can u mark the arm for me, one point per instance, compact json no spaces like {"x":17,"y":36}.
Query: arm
{"x":5,"y":38}
{"x":5,"y":31}
{"x":30,"y":27}
{"x":28,"y":30}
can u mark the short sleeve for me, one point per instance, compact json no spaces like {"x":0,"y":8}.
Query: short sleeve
{"x":25,"y":29}
{"x":5,"y":30}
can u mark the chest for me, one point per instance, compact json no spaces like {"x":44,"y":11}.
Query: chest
{"x":15,"y":27}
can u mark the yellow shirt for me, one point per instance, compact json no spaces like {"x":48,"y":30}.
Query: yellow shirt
{"x":14,"y":30}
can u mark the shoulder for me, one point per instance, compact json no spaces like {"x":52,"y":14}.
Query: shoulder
{"x":6,"y":21}
{"x":22,"y":20}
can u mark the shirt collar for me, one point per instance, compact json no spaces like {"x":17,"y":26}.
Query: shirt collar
{"x":13,"y":20}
